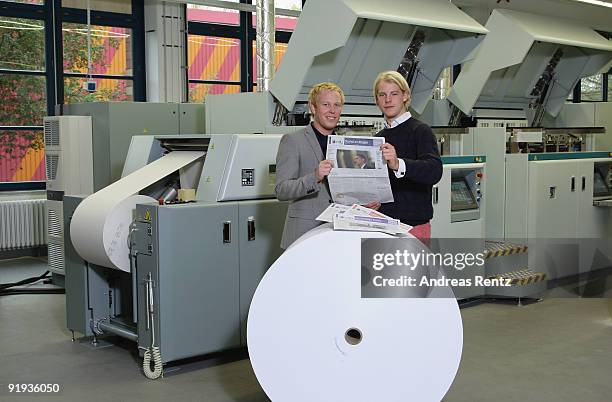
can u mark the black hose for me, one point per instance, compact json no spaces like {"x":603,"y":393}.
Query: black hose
{"x":24,"y":281}
{"x":22,"y":291}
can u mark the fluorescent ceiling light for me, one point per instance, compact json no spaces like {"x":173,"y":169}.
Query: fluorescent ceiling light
{"x":596,"y":2}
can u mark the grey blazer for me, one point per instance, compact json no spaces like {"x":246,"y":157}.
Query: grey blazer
{"x":298,"y":157}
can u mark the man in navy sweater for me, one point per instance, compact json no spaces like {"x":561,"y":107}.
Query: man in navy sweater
{"x":411,"y":153}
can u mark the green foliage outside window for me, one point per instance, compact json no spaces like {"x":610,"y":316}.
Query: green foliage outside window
{"x":24,"y":99}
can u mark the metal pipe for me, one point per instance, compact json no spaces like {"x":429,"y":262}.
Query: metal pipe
{"x":118,"y":330}
{"x":264,"y":43}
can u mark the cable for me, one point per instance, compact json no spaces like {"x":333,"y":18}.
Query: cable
{"x":26,"y":291}
{"x":157,"y":363}
{"x":154,"y":352}
{"x":25,"y":281}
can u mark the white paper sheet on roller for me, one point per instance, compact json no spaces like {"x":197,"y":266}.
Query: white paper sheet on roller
{"x":100,"y":224}
{"x":410,"y":348}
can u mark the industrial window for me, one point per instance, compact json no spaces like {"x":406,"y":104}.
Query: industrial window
{"x":221,"y":47}
{"x":38,"y":2}
{"x":22,"y":45}
{"x":443,"y":84}
{"x":22,"y":156}
{"x":110,"y":59}
{"x":213,"y":66}
{"x":591,"y":88}
{"x":283,"y":22}
{"x":279,"y":52}
{"x":214,"y":58}
{"x":22,"y":72}
{"x":30,"y":45}
{"x":284,"y":25}
{"x":198,"y":13}
{"x":198,"y":92}
{"x":23,"y":85}
{"x":24,"y":101}
{"x":114,"y":6}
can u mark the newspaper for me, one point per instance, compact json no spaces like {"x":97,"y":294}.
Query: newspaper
{"x":365,"y":223}
{"x":359,"y":210}
{"x":357,"y":217}
{"x":328,"y":214}
{"x":360,"y":175}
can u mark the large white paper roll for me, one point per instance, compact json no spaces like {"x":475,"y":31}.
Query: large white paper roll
{"x":100,"y":224}
{"x":308,"y":305}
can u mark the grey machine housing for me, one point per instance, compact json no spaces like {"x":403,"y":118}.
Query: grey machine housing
{"x":203,"y":259}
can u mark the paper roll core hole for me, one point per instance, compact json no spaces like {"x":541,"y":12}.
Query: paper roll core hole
{"x":353,"y":336}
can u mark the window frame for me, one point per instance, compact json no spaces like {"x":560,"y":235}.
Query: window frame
{"x":53,"y":15}
{"x":133,"y":21}
{"x":245,"y":32}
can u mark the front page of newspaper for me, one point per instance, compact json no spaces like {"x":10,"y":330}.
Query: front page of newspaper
{"x":360,"y":175}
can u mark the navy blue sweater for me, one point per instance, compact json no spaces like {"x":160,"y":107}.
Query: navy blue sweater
{"x":415,"y":143}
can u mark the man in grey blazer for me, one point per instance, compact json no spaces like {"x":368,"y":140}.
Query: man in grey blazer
{"x":301,"y":167}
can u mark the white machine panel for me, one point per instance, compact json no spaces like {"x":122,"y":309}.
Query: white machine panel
{"x":553,"y":202}
{"x":369,"y":37}
{"x":69,"y":166}
{"x":250,"y":172}
{"x":69,"y":154}
{"x":459,"y":208}
{"x":529,"y":60}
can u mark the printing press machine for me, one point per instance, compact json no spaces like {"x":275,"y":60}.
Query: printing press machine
{"x":194,"y":265}
{"x":547,"y":186}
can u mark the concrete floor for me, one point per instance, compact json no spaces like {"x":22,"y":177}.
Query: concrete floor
{"x":558,"y":350}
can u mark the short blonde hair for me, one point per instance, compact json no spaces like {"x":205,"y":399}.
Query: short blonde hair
{"x":324,"y":86}
{"x":395,"y":78}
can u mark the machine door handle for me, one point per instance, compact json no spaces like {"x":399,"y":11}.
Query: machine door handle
{"x":250,"y":228}
{"x":435,"y":194}
{"x":573,"y":186}
{"x":227,"y":232}
{"x":583,"y":183}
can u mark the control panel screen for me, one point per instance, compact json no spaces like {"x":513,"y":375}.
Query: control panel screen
{"x":248,"y":177}
{"x":600,"y":188}
{"x":462,"y":197}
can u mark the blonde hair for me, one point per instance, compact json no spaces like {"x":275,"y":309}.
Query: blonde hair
{"x":395,"y":78}
{"x":324,"y":86}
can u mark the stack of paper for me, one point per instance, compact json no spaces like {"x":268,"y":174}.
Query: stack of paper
{"x":360,"y":218}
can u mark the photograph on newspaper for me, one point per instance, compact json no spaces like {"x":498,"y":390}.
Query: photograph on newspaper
{"x":360,"y":174}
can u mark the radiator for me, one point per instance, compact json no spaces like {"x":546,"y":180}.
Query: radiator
{"x":22,"y":224}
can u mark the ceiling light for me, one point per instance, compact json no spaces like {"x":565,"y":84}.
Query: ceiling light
{"x":596,"y":2}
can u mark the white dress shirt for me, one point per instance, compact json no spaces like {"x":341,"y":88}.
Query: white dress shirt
{"x":401,"y":170}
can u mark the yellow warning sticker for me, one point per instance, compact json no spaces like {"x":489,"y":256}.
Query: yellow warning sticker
{"x":147,"y":215}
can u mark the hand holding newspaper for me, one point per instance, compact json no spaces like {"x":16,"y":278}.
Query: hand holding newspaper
{"x":360,"y":218}
{"x":360,"y":175}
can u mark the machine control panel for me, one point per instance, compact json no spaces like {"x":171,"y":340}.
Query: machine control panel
{"x":466,"y":194}
{"x":248,"y":177}
{"x":602,"y":180}
{"x":143,"y":237}
{"x":462,"y":197}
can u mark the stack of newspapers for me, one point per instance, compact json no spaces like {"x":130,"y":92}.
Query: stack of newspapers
{"x":360,"y":218}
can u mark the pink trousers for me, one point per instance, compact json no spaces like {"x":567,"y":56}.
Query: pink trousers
{"x":422,"y":232}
